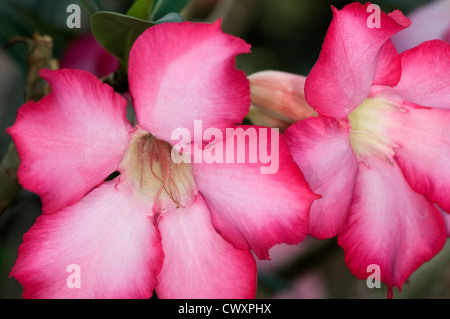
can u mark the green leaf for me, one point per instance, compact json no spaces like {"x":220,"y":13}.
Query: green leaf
{"x":98,"y":4}
{"x":86,"y":6}
{"x":141,"y":9}
{"x":170,"y":17}
{"x":117,"y":32}
{"x":163,"y":7}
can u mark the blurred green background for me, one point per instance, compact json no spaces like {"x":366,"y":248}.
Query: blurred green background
{"x":285,"y":35}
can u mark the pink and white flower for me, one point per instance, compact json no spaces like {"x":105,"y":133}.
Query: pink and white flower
{"x":378,"y":151}
{"x":183,"y":230}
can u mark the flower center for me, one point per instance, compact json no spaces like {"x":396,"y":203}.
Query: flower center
{"x":148,"y":164}
{"x":368,"y":130}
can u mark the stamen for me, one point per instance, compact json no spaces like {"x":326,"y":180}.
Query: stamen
{"x":367,"y":134}
{"x":159,"y":154}
{"x":149,"y":163}
{"x":161,"y":183}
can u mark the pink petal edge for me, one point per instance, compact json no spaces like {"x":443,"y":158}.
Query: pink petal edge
{"x":70,"y":140}
{"x":107,"y":238}
{"x":195,"y":78}
{"x":198,"y":262}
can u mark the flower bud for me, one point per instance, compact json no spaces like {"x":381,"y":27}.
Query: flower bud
{"x":278,"y":99}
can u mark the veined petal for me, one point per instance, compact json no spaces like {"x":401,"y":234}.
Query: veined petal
{"x":181,"y":72}
{"x":251,"y":207}
{"x":321,"y":148}
{"x":389,"y":225}
{"x":353,"y":59}
{"x":198,"y":262}
{"x":108,"y":237}
{"x":72,"y":139}
{"x":423,"y":149}
{"x":425,"y":77}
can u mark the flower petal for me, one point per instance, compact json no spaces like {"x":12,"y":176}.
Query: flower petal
{"x":321,"y":148}
{"x":421,"y":135}
{"x":108,"y":235}
{"x":198,"y":262}
{"x":389,"y":225}
{"x":72,"y":139}
{"x":349,"y":63}
{"x":425,"y":77}
{"x":251,"y":207}
{"x":388,"y":68}
{"x":261,"y":118}
{"x":429,"y":21}
{"x":280,"y":95}
{"x":94,"y":59}
{"x":181,"y":72}
{"x":446,"y":217}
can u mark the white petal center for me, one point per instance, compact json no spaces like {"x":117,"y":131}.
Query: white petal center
{"x":157,"y":178}
{"x":367,"y":135}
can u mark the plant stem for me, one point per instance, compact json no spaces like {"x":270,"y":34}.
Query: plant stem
{"x":40,"y":56}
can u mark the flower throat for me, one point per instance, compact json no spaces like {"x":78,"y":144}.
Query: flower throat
{"x":148,"y":163}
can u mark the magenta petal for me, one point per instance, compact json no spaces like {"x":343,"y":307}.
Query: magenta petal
{"x":321,"y":148}
{"x":198,"y":262}
{"x":446,"y":217}
{"x":389,"y":70}
{"x":181,"y":72}
{"x":251,"y":209}
{"x":72,"y":139}
{"x":423,"y":150}
{"x":85,"y":53}
{"x":107,"y":238}
{"x":425,"y":77}
{"x":350,"y":60}
{"x":389,"y":225}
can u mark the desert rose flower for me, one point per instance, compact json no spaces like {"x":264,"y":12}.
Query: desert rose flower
{"x":183,"y":230}
{"x":378,"y":151}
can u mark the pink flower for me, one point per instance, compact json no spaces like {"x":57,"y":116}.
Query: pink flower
{"x":378,"y":151}
{"x":183,"y":230}
{"x":429,"y":22}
